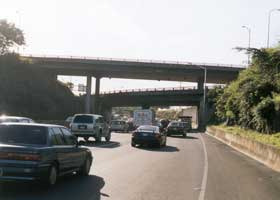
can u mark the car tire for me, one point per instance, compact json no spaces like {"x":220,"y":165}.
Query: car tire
{"x":108,"y":137}
{"x":85,"y":169}
{"x":98,"y":137}
{"x":133,"y":144}
{"x":52,"y":176}
{"x":184,"y":135}
{"x":164,"y":144}
{"x":86,"y":139}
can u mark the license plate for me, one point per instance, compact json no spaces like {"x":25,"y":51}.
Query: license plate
{"x":82,"y":127}
{"x":1,"y":172}
{"x":144,"y":134}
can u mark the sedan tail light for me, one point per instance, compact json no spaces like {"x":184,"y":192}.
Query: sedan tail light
{"x":19,"y":156}
{"x":157,"y":135}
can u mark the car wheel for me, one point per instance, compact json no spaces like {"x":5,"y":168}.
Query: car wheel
{"x":164,"y":144}
{"x":86,"y":139}
{"x":184,"y":135}
{"x":85,"y":169}
{"x":52,"y":176}
{"x":133,"y":144}
{"x":98,"y":137}
{"x":108,"y":137}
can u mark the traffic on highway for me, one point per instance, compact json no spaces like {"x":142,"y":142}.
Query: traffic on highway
{"x":169,"y":153}
{"x":139,"y":100}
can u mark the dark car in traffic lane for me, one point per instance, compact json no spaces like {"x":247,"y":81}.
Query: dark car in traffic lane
{"x":40,"y":152}
{"x":148,"y":135}
{"x":177,"y":128}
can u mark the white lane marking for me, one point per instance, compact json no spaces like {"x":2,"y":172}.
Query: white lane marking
{"x":205,"y":173}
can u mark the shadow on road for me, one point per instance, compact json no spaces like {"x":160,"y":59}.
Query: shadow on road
{"x":111,"y":144}
{"x":182,"y":137}
{"x":162,"y":149}
{"x":70,"y":188}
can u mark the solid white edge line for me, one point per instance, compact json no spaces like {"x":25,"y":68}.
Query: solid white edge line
{"x":205,"y":172}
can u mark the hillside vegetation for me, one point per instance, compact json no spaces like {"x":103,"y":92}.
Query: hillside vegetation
{"x":253,"y":100}
{"x":27,"y":91}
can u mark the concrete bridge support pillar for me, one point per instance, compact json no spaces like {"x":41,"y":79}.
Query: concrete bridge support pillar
{"x":201,"y":116}
{"x":96,"y":108}
{"x":200,"y":84}
{"x":88,"y":94}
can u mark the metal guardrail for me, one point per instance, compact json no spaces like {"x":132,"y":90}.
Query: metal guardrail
{"x":134,"y":60}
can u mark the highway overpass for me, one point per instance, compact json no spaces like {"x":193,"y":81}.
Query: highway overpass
{"x":134,"y":69}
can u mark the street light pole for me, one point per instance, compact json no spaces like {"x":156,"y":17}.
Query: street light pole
{"x":268,"y":25}
{"x":249,"y":43}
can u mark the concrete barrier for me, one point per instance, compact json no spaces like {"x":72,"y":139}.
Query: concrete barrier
{"x":266,"y":154}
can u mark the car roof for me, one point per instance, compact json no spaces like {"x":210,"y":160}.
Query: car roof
{"x":31,"y":124}
{"x":148,"y":126}
{"x":12,"y":117}
{"x":93,"y":115}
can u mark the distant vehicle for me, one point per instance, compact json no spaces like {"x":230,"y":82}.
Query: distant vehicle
{"x":32,"y":152}
{"x":90,"y":125}
{"x":187,"y":120}
{"x":119,"y":125}
{"x":177,"y":128}
{"x":5,"y":118}
{"x":149,"y":135}
{"x":68,"y":121}
{"x":143,"y":117}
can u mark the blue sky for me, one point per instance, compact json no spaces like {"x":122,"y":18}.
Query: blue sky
{"x":178,"y":30}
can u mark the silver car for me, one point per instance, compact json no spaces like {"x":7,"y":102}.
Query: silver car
{"x":16,"y":119}
{"x":119,"y":125}
{"x":90,"y":125}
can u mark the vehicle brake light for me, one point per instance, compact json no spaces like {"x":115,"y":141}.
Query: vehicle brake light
{"x":19,"y":156}
{"x":157,"y":135}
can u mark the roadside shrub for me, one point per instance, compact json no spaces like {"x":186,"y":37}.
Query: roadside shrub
{"x":253,"y":100}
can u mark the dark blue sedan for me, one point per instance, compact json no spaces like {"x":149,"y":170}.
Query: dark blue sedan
{"x":31,"y":152}
{"x":148,"y":135}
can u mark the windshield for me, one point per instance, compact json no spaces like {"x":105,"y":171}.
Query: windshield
{"x":83,"y":119}
{"x":148,"y":128}
{"x":18,"y":134}
{"x":116,"y":122}
{"x":176,"y":124}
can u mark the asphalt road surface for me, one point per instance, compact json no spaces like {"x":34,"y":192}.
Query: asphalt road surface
{"x":194,"y":168}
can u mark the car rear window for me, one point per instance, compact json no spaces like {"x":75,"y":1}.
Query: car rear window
{"x":83,"y":119}
{"x":18,"y":134}
{"x":3,"y":120}
{"x":116,"y":123}
{"x":148,"y":128}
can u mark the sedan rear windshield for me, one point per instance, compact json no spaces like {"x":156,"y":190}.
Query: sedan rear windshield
{"x":18,"y":134}
{"x":3,"y":120}
{"x":83,"y":119}
{"x":117,"y":123}
{"x":178,"y":124}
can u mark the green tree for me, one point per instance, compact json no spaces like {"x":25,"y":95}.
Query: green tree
{"x":252,"y":100}
{"x":9,"y":36}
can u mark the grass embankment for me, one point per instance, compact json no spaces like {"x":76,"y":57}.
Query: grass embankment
{"x":273,"y":139}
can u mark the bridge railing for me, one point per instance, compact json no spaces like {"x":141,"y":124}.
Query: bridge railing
{"x":134,"y":60}
{"x":185,"y":88}
{"x":150,"y":90}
